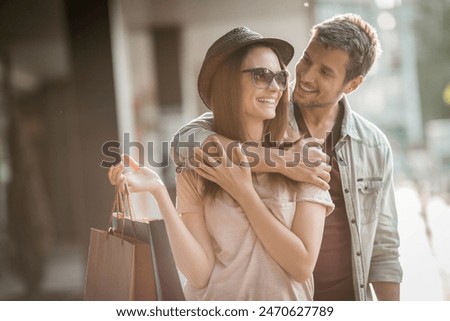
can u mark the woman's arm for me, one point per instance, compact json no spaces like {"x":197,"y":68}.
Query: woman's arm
{"x":189,"y":239}
{"x":295,"y":249}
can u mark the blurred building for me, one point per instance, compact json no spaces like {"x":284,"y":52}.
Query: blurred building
{"x":57,"y":109}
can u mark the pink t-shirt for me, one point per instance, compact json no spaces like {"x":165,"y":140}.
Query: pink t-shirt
{"x":243,"y":269}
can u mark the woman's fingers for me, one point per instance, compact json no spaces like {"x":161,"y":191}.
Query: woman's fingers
{"x":114,"y":174}
{"x":128,"y":182}
{"x":117,"y":177}
{"x":242,"y":159}
{"x":122,"y":183}
{"x":204,"y":158}
{"x":203,"y":171}
{"x":110,"y":171}
{"x":127,"y":159}
{"x":118,"y":173}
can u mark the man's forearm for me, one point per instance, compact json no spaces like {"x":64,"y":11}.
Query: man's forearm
{"x":387,"y":291}
{"x":273,"y":160}
{"x":198,"y":132}
{"x":191,"y":135}
{"x":260,"y":158}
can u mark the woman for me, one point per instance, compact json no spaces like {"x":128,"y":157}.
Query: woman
{"x":241,"y":236}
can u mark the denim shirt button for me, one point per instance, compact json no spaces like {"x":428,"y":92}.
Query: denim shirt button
{"x":353,"y":221}
{"x":361,"y":286}
{"x":346,"y":190}
{"x":358,"y":253}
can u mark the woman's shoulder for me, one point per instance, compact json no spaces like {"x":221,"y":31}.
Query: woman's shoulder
{"x":273,"y":186}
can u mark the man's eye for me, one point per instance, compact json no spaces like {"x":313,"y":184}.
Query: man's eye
{"x":305,"y":59}
{"x":326,"y":73}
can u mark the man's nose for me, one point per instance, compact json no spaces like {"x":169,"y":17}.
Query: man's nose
{"x":307,"y":74}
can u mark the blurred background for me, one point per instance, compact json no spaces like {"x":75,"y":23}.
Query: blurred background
{"x":76,"y":74}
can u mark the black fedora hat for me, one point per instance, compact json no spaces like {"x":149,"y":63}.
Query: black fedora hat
{"x":225,"y":46}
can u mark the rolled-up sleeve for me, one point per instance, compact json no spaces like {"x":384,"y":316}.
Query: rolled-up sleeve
{"x":311,"y":193}
{"x":385,"y":264}
{"x":188,"y":198}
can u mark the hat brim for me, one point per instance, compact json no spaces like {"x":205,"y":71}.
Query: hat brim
{"x":209,"y":67}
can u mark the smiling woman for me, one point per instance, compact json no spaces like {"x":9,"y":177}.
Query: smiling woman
{"x":236,"y":228}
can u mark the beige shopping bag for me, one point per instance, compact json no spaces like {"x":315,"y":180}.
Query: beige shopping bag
{"x":132,"y":260}
{"x":119,"y":268}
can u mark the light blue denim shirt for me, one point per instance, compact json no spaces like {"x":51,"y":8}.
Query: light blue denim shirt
{"x":366,"y":168}
{"x":365,"y":163}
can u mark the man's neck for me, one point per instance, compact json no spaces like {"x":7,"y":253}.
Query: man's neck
{"x":320,"y":121}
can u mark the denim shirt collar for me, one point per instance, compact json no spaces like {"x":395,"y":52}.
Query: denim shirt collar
{"x":348,"y":122}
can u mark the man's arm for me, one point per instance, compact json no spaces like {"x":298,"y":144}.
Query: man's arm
{"x":290,"y":163}
{"x":385,"y":270}
{"x":193,"y":134}
{"x":387,"y":291}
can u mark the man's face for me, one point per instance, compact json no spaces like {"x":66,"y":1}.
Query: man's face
{"x":320,"y":75}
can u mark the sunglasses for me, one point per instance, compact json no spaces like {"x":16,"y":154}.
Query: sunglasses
{"x":263,"y":77}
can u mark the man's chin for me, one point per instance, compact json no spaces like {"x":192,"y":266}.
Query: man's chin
{"x":301,"y":101}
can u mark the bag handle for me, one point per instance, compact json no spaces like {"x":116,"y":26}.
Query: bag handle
{"x":123,"y":208}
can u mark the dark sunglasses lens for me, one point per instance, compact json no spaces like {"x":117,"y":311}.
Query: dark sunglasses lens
{"x":281,"y":79}
{"x":263,"y":78}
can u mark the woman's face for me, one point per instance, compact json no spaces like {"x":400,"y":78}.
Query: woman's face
{"x":259,"y":103}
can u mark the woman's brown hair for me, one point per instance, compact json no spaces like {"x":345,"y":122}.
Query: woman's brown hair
{"x":225,"y":101}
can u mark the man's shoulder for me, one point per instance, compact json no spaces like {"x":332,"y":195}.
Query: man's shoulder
{"x":369,"y":133}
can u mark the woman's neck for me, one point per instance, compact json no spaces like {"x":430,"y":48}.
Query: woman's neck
{"x":253,"y":130}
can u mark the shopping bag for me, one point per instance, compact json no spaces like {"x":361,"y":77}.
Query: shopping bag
{"x":119,"y":268}
{"x":153,"y":232}
{"x":133,"y":260}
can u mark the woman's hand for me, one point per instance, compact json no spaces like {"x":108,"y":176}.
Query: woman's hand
{"x":138,"y":179}
{"x":232,"y":174}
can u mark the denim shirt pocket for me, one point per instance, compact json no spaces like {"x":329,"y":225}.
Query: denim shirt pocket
{"x":369,"y":193}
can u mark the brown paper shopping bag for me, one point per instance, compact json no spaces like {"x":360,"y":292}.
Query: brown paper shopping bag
{"x":132,"y":260}
{"x":119,"y":266}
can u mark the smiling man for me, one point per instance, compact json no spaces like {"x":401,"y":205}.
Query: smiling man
{"x":360,"y":242}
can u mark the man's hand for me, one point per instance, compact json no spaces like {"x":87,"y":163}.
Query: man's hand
{"x":306,"y":162}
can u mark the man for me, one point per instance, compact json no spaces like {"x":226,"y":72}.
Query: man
{"x":360,"y":242}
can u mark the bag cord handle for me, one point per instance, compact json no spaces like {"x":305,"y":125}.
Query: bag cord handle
{"x":123,"y":208}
